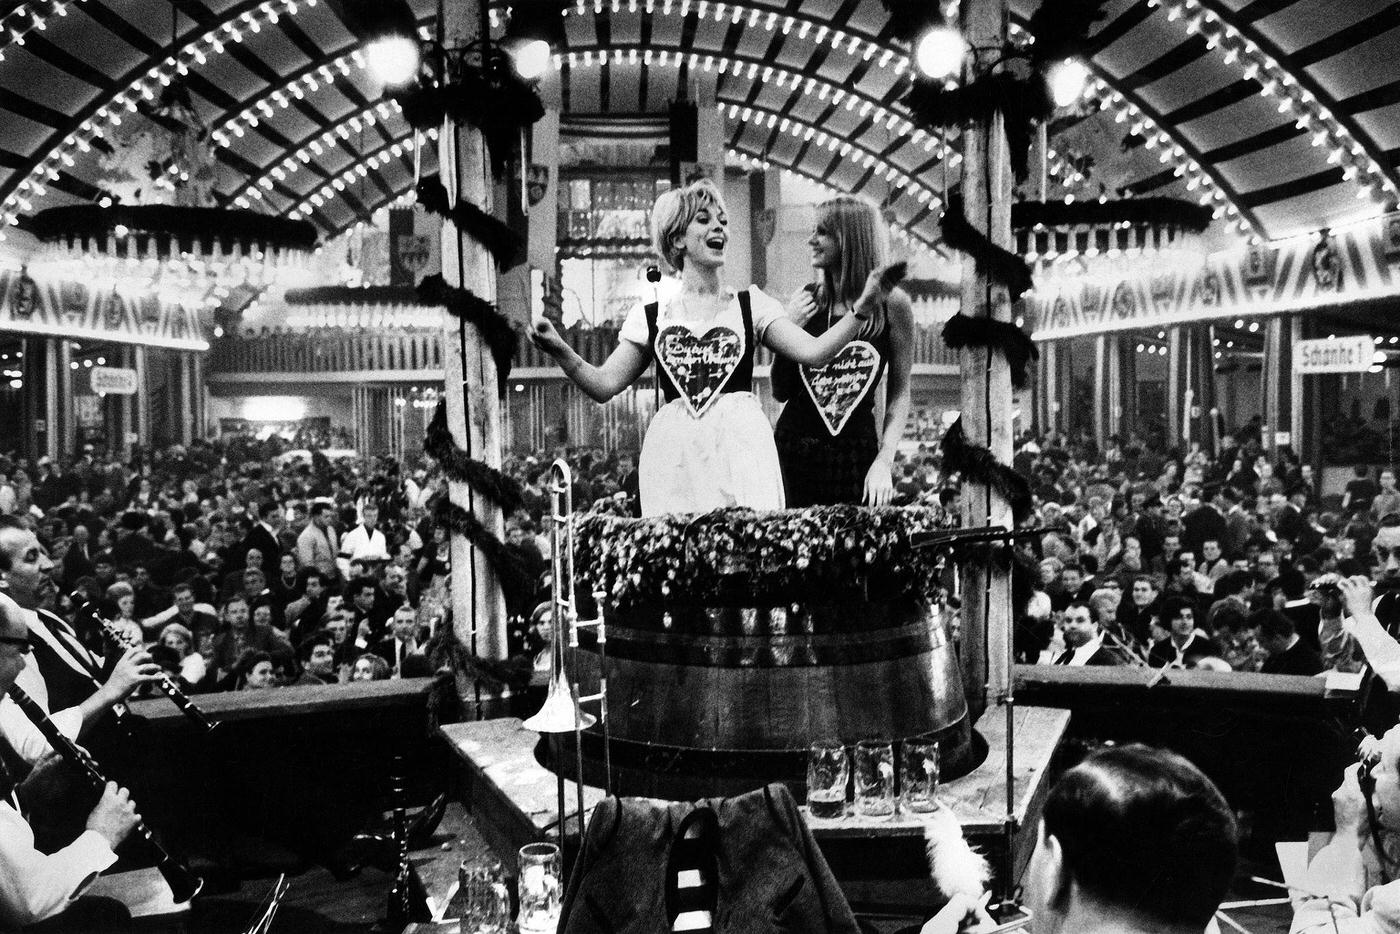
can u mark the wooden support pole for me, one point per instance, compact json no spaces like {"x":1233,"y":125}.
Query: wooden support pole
{"x":986,"y":379}
{"x":469,"y":378}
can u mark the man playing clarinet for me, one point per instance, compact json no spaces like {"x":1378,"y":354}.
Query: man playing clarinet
{"x":65,"y":679}
{"x":35,"y":886}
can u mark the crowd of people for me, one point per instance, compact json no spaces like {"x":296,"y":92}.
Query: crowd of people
{"x":1232,"y":562}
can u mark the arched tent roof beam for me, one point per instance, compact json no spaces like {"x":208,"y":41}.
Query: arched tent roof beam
{"x":1315,"y":110}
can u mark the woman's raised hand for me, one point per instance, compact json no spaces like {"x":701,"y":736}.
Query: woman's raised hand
{"x":878,"y":286}
{"x":802,"y":306}
{"x":546,"y":338}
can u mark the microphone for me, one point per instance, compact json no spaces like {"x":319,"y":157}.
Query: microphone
{"x":654,"y":277}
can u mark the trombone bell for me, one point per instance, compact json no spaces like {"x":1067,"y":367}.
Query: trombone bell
{"x":560,"y":713}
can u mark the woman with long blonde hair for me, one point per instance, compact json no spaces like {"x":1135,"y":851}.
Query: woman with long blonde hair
{"x":710,"y":445}
{"x":827,"y":440}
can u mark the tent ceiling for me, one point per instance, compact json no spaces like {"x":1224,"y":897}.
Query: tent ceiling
{"x":1167,"y":67}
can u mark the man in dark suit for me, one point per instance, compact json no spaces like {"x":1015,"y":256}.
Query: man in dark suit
{"x":1206,"y":521}
{"x":263,"y":537}
{"x":1288,"y":654}
{"x":401,"y":650}
{"x":1084,"y":639}
{"x":1293,"y":524}
{"x":77,"y":560}
{"x":133,"y":546}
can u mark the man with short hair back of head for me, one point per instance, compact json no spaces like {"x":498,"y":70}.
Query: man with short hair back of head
{"x":1132,"y":840}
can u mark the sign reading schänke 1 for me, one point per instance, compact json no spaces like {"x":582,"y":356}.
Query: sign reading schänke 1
{"x":1334,"y":355}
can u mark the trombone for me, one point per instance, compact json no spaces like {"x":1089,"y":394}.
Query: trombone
{"x":562,"y":710}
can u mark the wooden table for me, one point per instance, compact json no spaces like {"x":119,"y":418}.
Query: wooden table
{"x":514,"y":800}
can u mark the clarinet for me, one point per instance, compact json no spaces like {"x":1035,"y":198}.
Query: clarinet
{"x":166,"y":683}
{"x":184,"y":884}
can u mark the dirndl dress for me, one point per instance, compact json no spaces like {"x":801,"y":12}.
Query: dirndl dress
{"x":710,"y":445}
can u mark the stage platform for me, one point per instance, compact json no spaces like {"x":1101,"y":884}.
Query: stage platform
{"x":881,"y":863}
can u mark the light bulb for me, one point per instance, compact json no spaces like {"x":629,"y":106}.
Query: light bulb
{"x":394,"y":60}
{"x":531,"y":58}
{"x":940,"y":52}
{"x":1067,"y":81}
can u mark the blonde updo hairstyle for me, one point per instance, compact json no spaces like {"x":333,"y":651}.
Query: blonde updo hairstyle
{"x":863,"y":239}
{"x":672,"y":214}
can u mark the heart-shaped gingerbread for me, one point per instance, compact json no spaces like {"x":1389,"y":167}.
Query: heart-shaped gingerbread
{"x":838,"y":386}
{"x":699,"y":366}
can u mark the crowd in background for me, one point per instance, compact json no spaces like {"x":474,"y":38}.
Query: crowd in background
{"x":244,"y":567}
{"x":1183,"y":559}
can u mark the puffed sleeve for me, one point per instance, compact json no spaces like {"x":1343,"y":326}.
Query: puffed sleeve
{"x":634,"y":327}
{"x":766,"y":309}
{"x":34,"y":886}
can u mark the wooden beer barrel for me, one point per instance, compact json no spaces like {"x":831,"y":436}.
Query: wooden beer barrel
{"x":714,"y":700}
{"x":737,"y":639}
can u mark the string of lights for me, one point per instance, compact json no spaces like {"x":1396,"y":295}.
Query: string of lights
{"x":356,"y":171}
{"x":17,"y":24}
{"x":293,"y":87}
{"x":1298,"y":95}
{"x":755,"y":68}
{"x":1213,"y":190}
{"x":264,"y":181}
{"x":806,"y":132}
{"x":96,"y":118}
{"x":847,"y":41}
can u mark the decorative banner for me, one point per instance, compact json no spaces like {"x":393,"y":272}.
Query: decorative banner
{"x":699,"y":366}
{"x":1101,"y":294}
{"x":75,"y":310}
{"x":113,"y":381}
{"x":1334,"y":355}
{"x":838,"y":388}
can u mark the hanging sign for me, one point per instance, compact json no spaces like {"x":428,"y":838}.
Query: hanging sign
{"x":1334,"y":355}
{"x":116,"y":381}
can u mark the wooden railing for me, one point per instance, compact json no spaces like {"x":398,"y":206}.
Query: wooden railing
{"x":328,"y":351}
{"x":342,"y":352}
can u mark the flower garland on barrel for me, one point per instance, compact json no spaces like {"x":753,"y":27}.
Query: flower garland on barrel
{"x":730,"y":555}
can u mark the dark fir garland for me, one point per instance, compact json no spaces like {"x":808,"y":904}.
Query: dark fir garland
{"x":1166,"y":212}
{"x":493,"y":99}
{"x":173,"y":228}
{"x":444,"y":649}
{"x":495,"y":235}
{"x":979,"y":465}
{"x":967,"y":331}
{"x":1001,"y":265}
{"x":496,"y":329}
{"x":510,"y":571}
{"x":1022,"y":101}
{"x":1061,"y":30}
{"x":462,"y":467}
